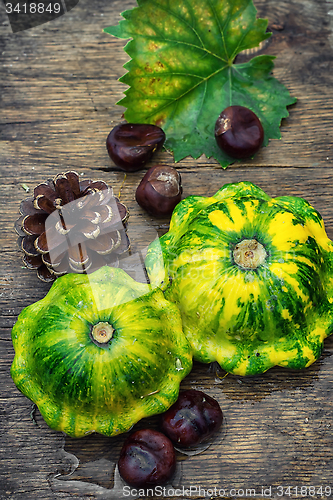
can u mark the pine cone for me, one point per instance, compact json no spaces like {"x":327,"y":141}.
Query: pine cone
{"x":71,"y":226}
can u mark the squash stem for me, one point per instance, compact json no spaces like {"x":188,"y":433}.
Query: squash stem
{"x":102,"y":332}
{"x":249,"y":254}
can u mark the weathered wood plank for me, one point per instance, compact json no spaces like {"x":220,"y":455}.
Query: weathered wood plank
{"x":58,"y":100}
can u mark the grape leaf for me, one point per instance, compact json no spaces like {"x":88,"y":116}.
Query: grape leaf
{"x":182,"y":72}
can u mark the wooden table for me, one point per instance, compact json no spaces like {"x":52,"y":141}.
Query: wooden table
{"x":59,"y":88}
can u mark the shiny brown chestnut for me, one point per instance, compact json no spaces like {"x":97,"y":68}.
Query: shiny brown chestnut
{"x":160,"y":190}
{"x":192,"y":419}
{"x":132,"y":145}
{"x":147,"y":458}
{"x":239,"y":132}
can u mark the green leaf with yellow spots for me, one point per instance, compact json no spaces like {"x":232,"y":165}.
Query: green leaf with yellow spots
{"x":182,"y":72}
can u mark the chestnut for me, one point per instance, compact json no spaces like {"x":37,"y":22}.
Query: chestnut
{"x":147,"y":458}
{"x":238,"y":132}
{"x":192,"y":419}
{"x":160,"y":190}
{"x":132,"y":145}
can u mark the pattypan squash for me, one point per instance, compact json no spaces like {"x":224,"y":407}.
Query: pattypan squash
{"x":100,"y":352}
{"x":252,"y":276}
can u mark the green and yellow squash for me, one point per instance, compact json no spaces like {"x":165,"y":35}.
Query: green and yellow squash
{"x":99,"y":353}
{"x":252,"y":277}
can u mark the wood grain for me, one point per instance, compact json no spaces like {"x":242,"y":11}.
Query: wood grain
{"x":59,"y":91}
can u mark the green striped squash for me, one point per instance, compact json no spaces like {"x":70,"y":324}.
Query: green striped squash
{"x":99,"y":353}
{"x":252,"y":277}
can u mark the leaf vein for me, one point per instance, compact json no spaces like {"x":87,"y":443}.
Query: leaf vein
{"x":181,"y":42}
{"x":220,"y":27}
{"x":180,"y":19}
{"x":204,"y":80}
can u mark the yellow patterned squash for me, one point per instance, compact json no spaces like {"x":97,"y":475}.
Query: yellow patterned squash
{"x":99,"y":353}
{"x":252,"y":277}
